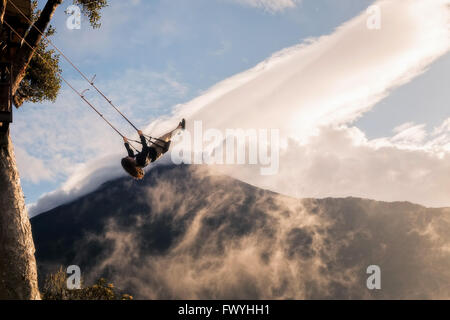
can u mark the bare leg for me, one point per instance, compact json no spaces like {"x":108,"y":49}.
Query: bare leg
{"x":162,"y":143}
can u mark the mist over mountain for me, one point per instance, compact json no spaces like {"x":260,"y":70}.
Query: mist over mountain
{"x":185,"y":232}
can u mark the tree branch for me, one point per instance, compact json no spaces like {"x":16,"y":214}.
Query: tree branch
{"x":2,"y":12}
{"x":33,"y":37}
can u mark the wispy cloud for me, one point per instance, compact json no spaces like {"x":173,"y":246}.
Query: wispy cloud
{"x":32,"y":168}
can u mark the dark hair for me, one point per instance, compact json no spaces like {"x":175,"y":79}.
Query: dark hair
{"x":129,"y":165}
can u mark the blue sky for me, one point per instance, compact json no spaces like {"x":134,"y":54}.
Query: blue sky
{"x":152,"y":55}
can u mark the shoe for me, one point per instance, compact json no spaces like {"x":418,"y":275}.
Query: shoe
{"x":182,"y":124}
{"x":166,"y":146}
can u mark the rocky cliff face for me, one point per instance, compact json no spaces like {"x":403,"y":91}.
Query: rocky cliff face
{"x":184,"y":232}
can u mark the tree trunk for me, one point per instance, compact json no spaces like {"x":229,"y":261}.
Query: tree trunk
{"x":18,"y":277}
{"x":18,"y":273}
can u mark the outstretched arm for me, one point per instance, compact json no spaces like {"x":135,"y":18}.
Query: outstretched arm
{"x":127,"y":146}
{"x":143,"y":140}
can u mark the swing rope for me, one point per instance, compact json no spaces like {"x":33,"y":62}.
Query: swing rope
{"x":70,"y":86}
{"x":91,"y":82}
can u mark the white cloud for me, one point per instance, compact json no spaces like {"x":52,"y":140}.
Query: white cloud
{"x":86,"y":178}
{"x":313,"y":91}
{"x":31,"y":168}
{"x":409,"y":133}
{"x":270,"y":5}
{"x":341,"y":162}
{"x":330,"y":83}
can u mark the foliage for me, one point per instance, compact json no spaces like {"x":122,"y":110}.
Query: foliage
{"x":91,"y":9}
{"x":55,"y":288}
{"x":41,"y":81}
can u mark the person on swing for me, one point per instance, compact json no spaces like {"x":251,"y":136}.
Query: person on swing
{"x":134,"y":163}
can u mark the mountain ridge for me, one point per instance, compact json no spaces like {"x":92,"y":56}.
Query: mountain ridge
{"x":107,"y":183}
{"x":185,"y":232}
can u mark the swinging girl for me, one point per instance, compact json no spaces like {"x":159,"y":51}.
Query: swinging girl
{"x":134,"y":163}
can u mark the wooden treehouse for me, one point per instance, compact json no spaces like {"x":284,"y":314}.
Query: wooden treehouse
{"x":9,"y":44}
